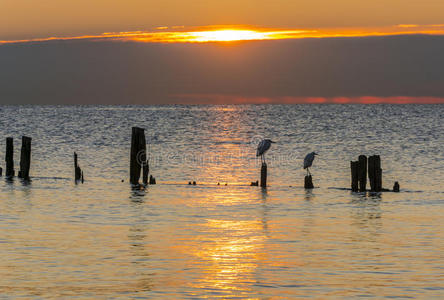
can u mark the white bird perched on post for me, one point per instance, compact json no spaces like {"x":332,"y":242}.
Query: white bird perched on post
{"x":308,"y":161}
{"x":263,"y":146}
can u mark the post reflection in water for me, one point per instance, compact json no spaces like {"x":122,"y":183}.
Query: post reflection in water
{"x":139,"y":248}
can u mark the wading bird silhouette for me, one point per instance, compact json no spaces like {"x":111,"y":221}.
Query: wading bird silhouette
{"x":308,"y":161}
{"x":263,"y":146}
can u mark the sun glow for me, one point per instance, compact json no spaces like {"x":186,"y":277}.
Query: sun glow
{"x":165,"y":34}
{"x":226,"y":35}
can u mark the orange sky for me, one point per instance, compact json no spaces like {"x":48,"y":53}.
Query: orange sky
{"x":25,"y":19}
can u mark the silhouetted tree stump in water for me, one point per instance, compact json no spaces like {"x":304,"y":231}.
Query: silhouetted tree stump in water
{"x":78,"y":173}
{"x":308,"y":182}
{"x":362,"y":173}
{"x":145,"y":171}
{"x":142,"y":158}
{"x":25,"y":158}
{"x":396,"y":187}
{"x":264,"y":175}
{"x":354,"y":166}
{"x":375,"y":173}
{"x":9,"y":157}
{"x":138,"y":154}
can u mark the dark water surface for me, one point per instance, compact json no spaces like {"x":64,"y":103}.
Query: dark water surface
{"x":104,"y":240}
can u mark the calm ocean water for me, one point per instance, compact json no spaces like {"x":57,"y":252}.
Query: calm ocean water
{"x":104,"y":240}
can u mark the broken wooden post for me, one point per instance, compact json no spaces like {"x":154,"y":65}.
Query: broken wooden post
{"x":375,"y":173}
{"x":396,"y":187}
{"x":78,"y":174}
{"x":362,"y":173}
{"x":1,"y":172}
{"x":138,"y":154}
{"x":308,"y":182}
{"x":152,"y":180}
{"x":378,"y":179}
{"x":371,"y":172}
{"x":264,"y":175}
{"x":143,"y":160}
{"x":145,"y":172}
{"x":25,"y":158}
{"x":9,"y":157}
{"x":354,"y":166}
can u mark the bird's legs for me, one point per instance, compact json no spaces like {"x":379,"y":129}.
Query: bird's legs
{"x":308,"y":172}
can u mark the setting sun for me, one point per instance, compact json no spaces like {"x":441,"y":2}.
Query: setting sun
{"x":226,"y":35}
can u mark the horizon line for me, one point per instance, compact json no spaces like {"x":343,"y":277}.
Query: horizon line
{"x":220,"y":99}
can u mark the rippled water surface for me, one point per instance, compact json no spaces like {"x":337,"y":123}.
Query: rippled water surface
{"x":104,"y":240}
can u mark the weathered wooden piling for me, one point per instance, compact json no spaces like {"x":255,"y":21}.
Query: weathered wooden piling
{"x":143,"y":159}
{"x":308,"y":182}
{"x":375,"y":173}
{"x":25,"y":158}
{"x":145,"y":171}
{"x":9,"y":157}
{"x":138,"y":154}
{"x":354,"y":166}
{"x":396,"y":187}
{"x":362,"y":173}
{"x":264,"y":175}
{"x":78,"y":174}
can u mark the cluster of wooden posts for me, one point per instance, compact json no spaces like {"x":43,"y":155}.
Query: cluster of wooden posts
{"x":140,"y":163}
{"x":25,"y":158}
{"x":372,"y":167}
{"x":359,"y":171}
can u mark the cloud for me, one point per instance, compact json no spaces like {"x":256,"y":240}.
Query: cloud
{"x":240,"y":33}
{"x":395,"y":69}
{"x":236,"y":99}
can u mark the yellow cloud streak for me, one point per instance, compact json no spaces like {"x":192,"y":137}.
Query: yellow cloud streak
{"x":232,"y":34}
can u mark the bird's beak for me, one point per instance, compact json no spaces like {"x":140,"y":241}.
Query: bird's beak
{"x":272,"y":142}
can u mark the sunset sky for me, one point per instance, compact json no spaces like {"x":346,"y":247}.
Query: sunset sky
{"x":282,"y":51}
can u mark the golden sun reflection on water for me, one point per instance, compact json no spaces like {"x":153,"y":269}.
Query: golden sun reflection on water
{"x":231,"y":255}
